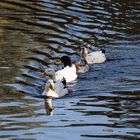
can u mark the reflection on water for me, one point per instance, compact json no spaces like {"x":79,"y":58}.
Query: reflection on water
{"x":106,"y":99}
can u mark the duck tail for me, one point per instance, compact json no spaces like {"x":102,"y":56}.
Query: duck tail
{"x":64,"y":82}
{"x":103,"y":50}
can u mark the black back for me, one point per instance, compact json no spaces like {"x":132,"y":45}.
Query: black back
{"x":64,"y":82}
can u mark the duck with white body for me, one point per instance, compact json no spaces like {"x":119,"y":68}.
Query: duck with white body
{"x":68,"y":72}
{"x":93,"y":57}
{"x":53,"y":90}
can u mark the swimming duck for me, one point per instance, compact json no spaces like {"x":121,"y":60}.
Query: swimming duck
{"x":55,"y":89}
{"x":68,"y":72}
{"x":93,"y":57}
{"x":82,"y":66}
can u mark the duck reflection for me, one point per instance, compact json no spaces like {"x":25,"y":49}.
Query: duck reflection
{"x":49,"y":106}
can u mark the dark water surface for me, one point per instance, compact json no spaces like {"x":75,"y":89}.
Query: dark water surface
{"x":104,"y":104}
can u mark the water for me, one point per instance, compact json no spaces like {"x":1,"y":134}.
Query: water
{"x":104,"y":103}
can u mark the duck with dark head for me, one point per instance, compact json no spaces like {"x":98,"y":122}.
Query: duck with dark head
{"x":68,"y":72}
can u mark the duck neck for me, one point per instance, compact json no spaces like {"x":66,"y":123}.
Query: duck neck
{"x":84,"y":60}
{"x":68,"y":64}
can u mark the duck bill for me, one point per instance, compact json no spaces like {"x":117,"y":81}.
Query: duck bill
{"x":49,"y":106}
{"x":58,"y":62}
{"x":52,"y":87}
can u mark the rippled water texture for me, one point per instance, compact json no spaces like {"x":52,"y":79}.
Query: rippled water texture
{"x":104,"y":103}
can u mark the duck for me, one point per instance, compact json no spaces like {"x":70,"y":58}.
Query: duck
{"x":82,"y":66}
{"x":55,"y":89}
{"x":93,"y":57}
{"x":68,"y":71}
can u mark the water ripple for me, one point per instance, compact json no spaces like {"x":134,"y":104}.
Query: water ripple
{"x":103,"y":103}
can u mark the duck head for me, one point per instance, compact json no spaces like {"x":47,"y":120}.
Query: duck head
{"x":48,"y":72}
{"x":84,"y":52}
{"x":51,"y":85}
{"x":65,"y":60}
{"x":88,"y":45}
{"x":49,"y":88}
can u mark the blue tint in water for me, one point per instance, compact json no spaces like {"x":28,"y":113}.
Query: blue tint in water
{"x":103,"y":103}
